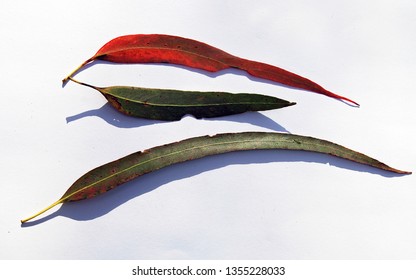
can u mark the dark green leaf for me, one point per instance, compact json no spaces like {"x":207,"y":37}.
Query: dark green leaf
{"x":172,"y":105}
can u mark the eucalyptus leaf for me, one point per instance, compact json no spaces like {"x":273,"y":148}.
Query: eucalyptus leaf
{"x":172,"y":105}
{"x":110,"y":175}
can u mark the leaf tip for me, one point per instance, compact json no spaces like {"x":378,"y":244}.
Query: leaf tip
{"x":398,"y":171}
{"x":342,"y":98}
{"x":355,"y":104}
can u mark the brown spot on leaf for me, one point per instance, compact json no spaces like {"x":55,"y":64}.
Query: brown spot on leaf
{"x":113,"y":101}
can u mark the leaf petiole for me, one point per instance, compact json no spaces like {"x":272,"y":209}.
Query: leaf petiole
{"x":69,"y":77}
{"x":42,"y":211}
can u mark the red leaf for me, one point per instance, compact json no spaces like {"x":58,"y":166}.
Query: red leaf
{"x":156,"y":48}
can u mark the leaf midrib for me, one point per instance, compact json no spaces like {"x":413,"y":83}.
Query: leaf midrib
{"x":167,"y":48}
{"x":159,"y":157}
{"x":106,"y":91}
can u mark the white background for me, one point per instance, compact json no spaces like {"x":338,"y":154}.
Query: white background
{"x":251,"y":205}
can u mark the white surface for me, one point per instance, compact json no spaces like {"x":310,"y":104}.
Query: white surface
{"x":252,"y":205}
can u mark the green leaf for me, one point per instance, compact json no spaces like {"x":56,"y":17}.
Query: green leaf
{"x":113,"y":174}
{"x":172,"y":105}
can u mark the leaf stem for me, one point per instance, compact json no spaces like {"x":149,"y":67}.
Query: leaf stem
{"x":41,"y":212}
{"x":81,"y":83}
{"x":67,"y":78}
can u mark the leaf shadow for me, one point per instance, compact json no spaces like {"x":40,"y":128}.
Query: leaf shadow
{"x":94,"y":208}
{"x":115,"y":118}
